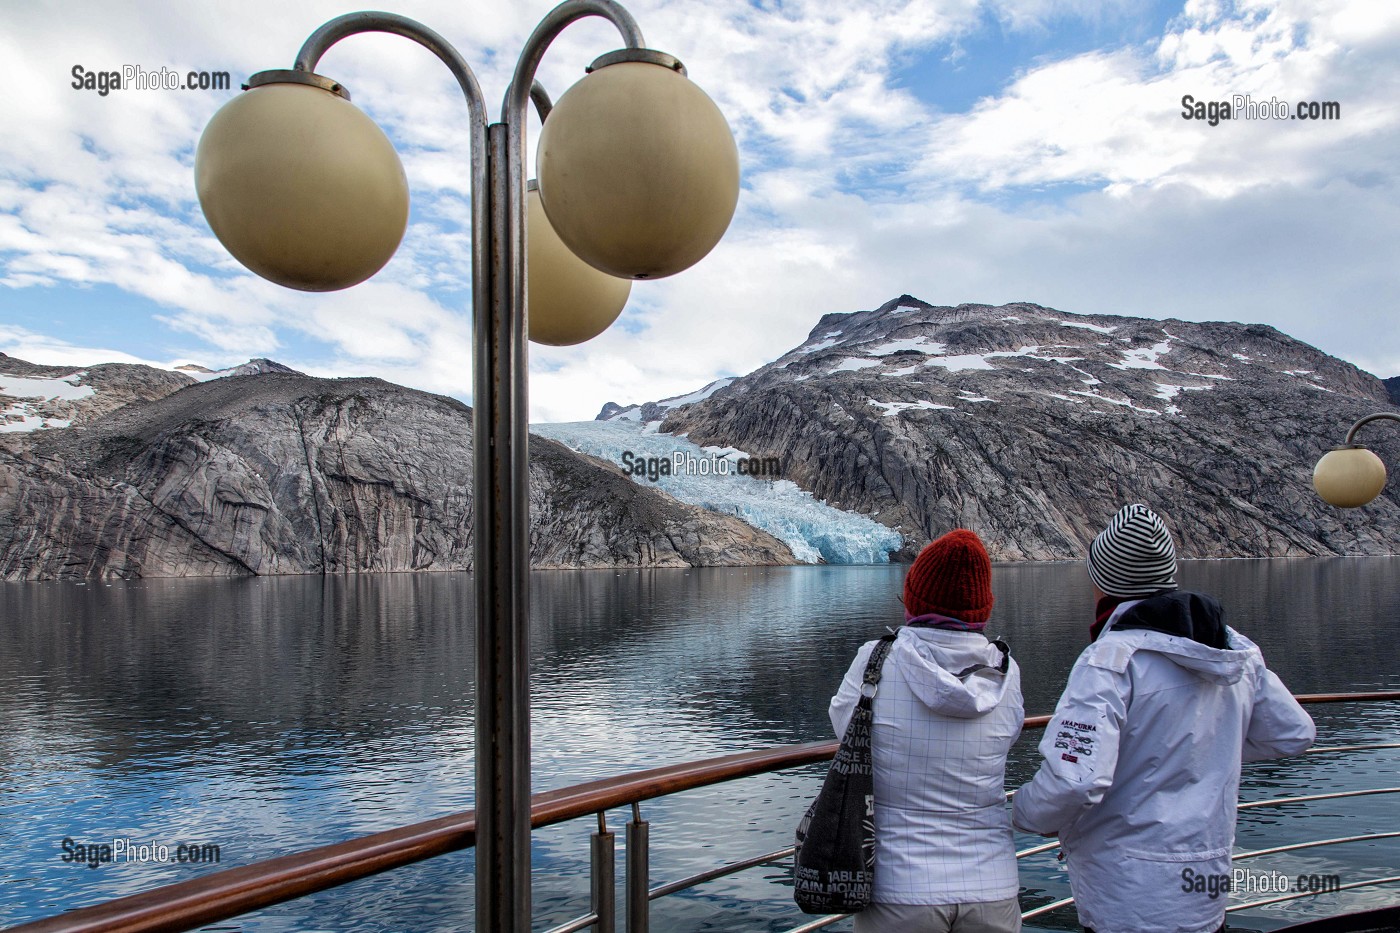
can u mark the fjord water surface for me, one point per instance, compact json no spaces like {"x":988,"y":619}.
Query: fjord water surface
{"x":269,"y":715}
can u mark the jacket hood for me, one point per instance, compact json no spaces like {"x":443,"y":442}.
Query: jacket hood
{"x":954,"y":674}
{"x":1184,"y":628}
{"x":1189,"y":615}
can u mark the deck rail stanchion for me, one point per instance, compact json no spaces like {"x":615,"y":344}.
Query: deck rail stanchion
{"x":638,"y":872}
{"x":603,"y":882}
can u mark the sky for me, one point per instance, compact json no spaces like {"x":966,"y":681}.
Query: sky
{"x":956,"y":150}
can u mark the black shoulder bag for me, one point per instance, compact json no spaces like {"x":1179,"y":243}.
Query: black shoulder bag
{"x":833,"y":871}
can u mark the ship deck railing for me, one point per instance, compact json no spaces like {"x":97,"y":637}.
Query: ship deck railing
{"x":229,"y":893}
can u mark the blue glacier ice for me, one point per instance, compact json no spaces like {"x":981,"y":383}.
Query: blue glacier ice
{"x":708,"y":477}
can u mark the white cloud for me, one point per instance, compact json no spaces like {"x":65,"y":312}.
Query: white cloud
{"x":40,"y":348}
{"x":1284,"y":223}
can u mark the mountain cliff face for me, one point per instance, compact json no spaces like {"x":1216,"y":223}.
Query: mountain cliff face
{"x":283,"y":473}
{"x":1392,"y":385}
{"x":1032,"y":426}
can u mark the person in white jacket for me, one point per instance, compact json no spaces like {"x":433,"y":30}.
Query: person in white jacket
{"x":1142,"y":756}
{"x":946,"y":711}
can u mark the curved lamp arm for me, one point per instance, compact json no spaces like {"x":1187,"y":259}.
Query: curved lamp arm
{"x":372,"y":21}
{"x":351,"y":24}
{"x":1379,"y":416}
{"x":540,"y":98}
{"x":547,"y":31}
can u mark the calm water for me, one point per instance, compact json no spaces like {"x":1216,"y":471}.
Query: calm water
{"x":270,"y":715}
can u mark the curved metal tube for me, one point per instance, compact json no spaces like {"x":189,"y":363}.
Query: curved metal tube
{"x":1379,"y":416}
{"x":372,"y":21}
{"x":547,"y":31}
{"x":341,"y":27}
{"x":540,"y":97}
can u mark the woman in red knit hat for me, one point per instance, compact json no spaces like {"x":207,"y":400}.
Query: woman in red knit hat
{"x":947,"y":710}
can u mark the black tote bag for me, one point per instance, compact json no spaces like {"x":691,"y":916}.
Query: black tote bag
{"x":833,"y":871}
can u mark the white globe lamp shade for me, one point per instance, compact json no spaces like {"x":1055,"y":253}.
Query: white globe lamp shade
{"x":638,"y":170}
{"x":568,"y":300}
{"x":1349,"y":477}
{"x":299,"y":185}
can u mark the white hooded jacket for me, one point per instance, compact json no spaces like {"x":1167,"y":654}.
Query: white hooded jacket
{"x":1141,"y":773}
{"x":942,"y":830}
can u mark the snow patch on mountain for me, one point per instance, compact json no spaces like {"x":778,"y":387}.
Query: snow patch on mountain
{"x":894,"y":408}
{"x":921,"y":344}
{"x":851,"y":364}
{"x":1094,"y":327}
{"x":828,"y":342}
{"x":1143,"y":357}
{"x":23,"y":416}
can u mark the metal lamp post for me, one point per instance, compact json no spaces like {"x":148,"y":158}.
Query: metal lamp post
{"x":1350,"y":476}
{"x":639,"y":177}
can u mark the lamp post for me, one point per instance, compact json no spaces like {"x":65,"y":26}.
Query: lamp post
{"x":1350,"y":476}
{"x":639,"y":176}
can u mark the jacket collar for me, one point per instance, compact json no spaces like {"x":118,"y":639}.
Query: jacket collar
{"x":1193,"y":616}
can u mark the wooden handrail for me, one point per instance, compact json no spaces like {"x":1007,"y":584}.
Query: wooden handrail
{"x":220,"y":895}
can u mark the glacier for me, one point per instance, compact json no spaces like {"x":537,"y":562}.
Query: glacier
{"x":709,"y":477}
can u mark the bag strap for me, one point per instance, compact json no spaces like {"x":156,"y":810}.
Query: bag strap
{"x":872,"y":667}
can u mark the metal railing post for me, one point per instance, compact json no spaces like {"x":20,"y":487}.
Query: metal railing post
{"x":602,"y":878}
{"x":638,"y":873}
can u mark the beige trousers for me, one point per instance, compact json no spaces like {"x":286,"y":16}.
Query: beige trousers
{"x":991,"y":917}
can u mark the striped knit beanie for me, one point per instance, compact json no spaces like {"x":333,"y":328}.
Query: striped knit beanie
{"x":1134,"y":555}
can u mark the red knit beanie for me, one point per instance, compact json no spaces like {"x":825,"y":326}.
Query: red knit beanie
{"x":951,"y":577}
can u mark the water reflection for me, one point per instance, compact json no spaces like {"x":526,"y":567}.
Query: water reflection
{"x":274,"y":714}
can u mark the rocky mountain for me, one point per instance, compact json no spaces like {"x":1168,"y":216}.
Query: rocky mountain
{"x":253,"y":367}
{"x":34,"y":397}
{"x":656,"y":411}
{"x":1031,"y":426}
{"x":282,"y":473}
{"x":1392,"y":385}
{"x":38,"y":397}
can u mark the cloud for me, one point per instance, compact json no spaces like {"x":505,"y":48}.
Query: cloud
{"x":41,"y":348}
{"x":1077,"y":184}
